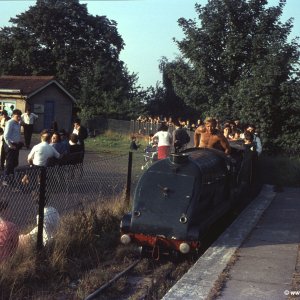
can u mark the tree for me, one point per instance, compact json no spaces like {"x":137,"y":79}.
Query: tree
{"x":154,"y":100}
{"x":108,"y":90}
{"x":60,"y":38}
{"x":173,"y":103}
{"x":237,"y":62}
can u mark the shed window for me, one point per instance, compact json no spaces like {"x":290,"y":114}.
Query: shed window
{"x":6,"y":104}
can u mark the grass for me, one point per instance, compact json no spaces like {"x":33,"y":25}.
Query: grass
{"x":112,"y":143}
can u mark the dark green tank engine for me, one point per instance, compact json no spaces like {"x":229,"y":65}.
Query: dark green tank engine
{"x":178,"y":198}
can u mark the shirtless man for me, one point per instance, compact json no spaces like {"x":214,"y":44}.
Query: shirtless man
{"x":208,"y":136}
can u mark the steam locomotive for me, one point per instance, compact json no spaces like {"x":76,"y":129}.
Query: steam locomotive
{"x":178,"y":198}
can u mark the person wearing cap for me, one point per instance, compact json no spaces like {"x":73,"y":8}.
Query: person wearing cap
{"x":12,"y":142}
{"x":28,"y":119}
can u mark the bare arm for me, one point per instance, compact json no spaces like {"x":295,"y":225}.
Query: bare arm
{"x":197,"y":136}
{"x":224,"y":143}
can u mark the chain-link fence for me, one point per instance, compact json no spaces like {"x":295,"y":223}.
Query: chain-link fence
{"x":37,"y":195}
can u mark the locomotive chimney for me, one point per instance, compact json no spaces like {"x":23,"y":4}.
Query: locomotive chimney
{"x":179,"y":158}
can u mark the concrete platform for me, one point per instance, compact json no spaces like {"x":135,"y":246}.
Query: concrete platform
{"x":255,"y":258}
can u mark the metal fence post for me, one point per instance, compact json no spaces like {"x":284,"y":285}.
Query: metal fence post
{"x":42,"y":198}
{"x":128,"y":183}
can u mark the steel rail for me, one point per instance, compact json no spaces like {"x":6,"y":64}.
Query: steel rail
{"x":107,"y":284}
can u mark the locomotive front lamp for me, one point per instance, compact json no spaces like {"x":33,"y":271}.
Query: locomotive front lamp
{"x":184,"y":248}
{"x":125,"y":239}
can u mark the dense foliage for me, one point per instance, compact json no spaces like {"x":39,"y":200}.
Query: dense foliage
{"x":60,"y":38}
{"x":237,"y":63}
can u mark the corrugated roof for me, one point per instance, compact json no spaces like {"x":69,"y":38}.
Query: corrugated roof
{"x":27,"y":84}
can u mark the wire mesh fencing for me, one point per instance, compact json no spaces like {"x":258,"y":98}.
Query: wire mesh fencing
{"x":34,"y":196}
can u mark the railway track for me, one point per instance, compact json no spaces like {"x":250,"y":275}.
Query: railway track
{"x":144,"y":278}
{"x":147,"y":278}
{"x":110,"y":282}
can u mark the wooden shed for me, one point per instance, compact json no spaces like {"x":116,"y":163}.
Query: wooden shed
{"x":43,"y":94}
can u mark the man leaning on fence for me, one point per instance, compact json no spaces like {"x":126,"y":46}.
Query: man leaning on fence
{"x":41,"y":152}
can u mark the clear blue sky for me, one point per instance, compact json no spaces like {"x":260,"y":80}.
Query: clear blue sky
{"x":146,"y":26}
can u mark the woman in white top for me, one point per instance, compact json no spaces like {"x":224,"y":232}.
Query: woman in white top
{"x":164,"y":141}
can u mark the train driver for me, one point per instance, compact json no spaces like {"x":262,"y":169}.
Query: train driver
{"x":208,"y":136}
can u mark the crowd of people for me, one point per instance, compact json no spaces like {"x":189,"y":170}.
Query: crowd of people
{"x":169,"y":121}
{"x":174,"y":134}
{"x":52,"y":143}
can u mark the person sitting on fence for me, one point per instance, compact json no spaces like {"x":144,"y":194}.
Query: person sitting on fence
{"x":58,"y":145}
{"x":9,"y":235}
{"x":42,"y":152}
{"x":134,"y":144}
{"x":51,"y":222}
{"x":74,"y":145}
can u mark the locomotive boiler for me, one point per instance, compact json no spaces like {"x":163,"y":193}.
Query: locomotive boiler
{"x":177,"y":199}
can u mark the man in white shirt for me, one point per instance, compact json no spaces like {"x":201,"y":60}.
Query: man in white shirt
{"x":28,"y":119}
{"x":12,"y":142}
{"x":41,"y":152}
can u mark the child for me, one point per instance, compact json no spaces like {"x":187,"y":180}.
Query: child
{"x":152,"y":142}
{"x":134,"y":145}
